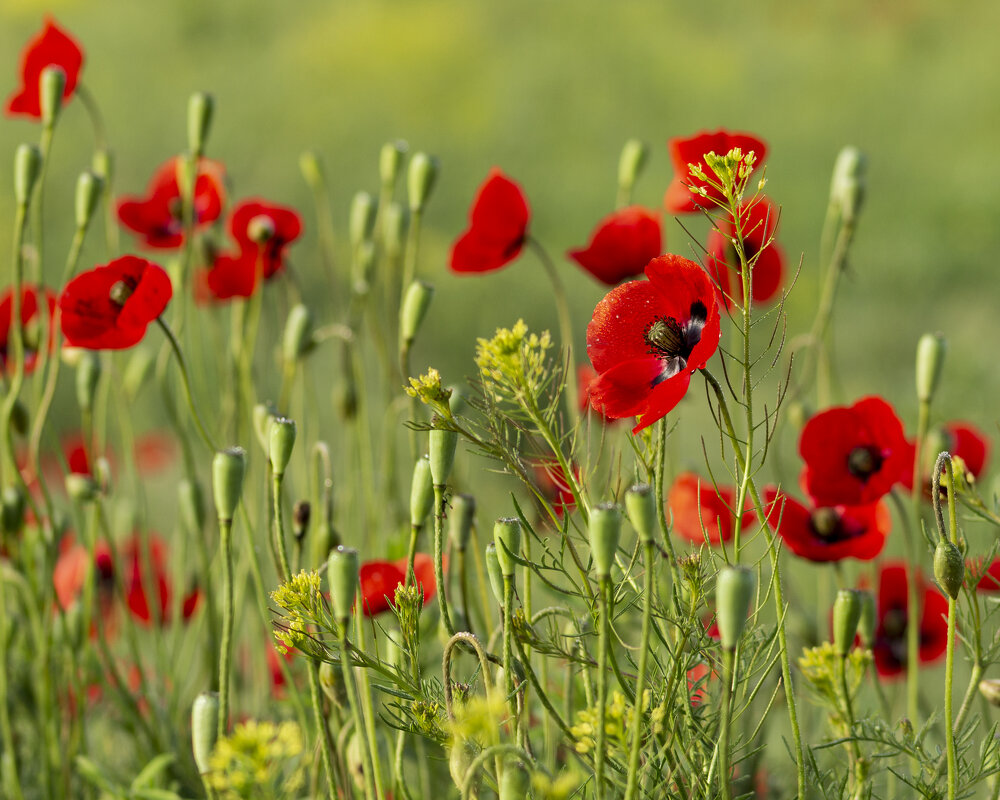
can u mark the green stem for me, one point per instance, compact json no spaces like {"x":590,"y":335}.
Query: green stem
{"x":186,"y":380}
{"x":949,"y":733}
{"x":640,"y":682}
{"x":508,"y":633}
{"x":728,"y":678}
{"x":352,"y":698}
{"x":603,"y":646}
{"x":226,"y":651}
{"x":277,"y":482}
{"x":322,"y":729}
{"x":853,"y":748}
{"x":494,"y":751}
{"x":439,"y":559}
{"x":368,"y":713}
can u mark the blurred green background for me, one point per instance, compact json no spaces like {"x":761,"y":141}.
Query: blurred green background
{"x":549,"y":91}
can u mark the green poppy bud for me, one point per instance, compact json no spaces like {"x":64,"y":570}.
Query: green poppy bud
{"x":413,"y":310}
{"x":312,"y":169}
{"x":507,"y":538}
{"x":187,"y":175}
{"x":263,"y":414}
{"x":641,"y":507}
{"x":631,"y":163}
{"x":324,"y":539}
{"x":27,"y":166}
{"x":362,"y":219}
{"x":847,"y":188}
{"x":81,"y":488}
{"x":457,"y":400}
{"x":463,"y":753}
{"x":605,"y":531}
{"x":494,"y":572}
{"x":12,"y":507}
{"x":228,"y":468}
{"x":460,"y":520}
{"x":282,"y":440}
{"x":847,"y":610}
{"x":990,"y":689}
{"x":421,"y":492}
{"x":515,"y":782}
{"x":364,"y":265}
{"x":88,"y":373}
{"x":191,"y":503}
{"x":297,"y":340}
{"x":390,"y":159}
{"x":102,"y":165}
{"x":342,"y":573}
{"x":331,"y":680}
{"x":442,"y":446}
{"x":866,"y":625}
{"x":420,"y":180}
{"x":88,"y":194}
{"x":200,"y":108}
{"x":949,"y":568}
{"x":204,"y":729}
{"x":734,"y":590}
{"x":51,"y":87}
{"x":395,"y":222}
{"x":930,"y":359}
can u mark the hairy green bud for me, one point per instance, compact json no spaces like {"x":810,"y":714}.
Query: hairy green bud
{"x":641,"y":506}
{"x":949,"y":568}
{"x":507,"y":537}
{"x":204,"y":729}
{"x":734,"y":590}
{"x":605,"y":532}
{"x":930,"y":359}
{"x":847,"y":610}
{"x":342,"y":573}
{"x":228,"y":468}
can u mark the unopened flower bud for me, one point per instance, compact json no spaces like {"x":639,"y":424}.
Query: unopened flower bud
{"x":282,"y":441}
{"x":463,"y":753}
{"x":200,"y":108}
{"x":228,"y":469}
{"x":494,"y":572}
{"x":103,"y":165}
{"x":88,"y":373}
{"x":390,"y":160}
{"x":324,"y":539}
{"x":515,"y":782}
{"x":847,"y":188}
{"x":631,"y":163}
{"x":204,"y":729}
{"x":12,"y":507}
{"x":51,"y":88}
{"x":191,"y":503}
{"x":641,"y":507}
{"x":342,"y":573}
{"x":734,"y":590}
{"x":949,"y":568}
{"x":413,"y":310}
{"x":301,"y":513}
{"x":27,"y":166}
{"x":442,"y":446}
{"x":507,"y":537}
{"x":395,"y":223}
{"x":420,"y":180}
{"x":421,"y":492}
{"x":866,"y":625}
{"x":297,"y":340}
{"x":331,"y":680}
{"x":798,"y":414}
{"x":990,"y":689}
{"x":930,"y":359}
{"x":847,"y":610}
{"x":362,"y":219}
{"x":263,"y":414}
{"x":460,"y":520}
{"x":81,"y":488}
{"x":102,"y":474}
{"x":605,"y":531}
{"x":312,"y":169}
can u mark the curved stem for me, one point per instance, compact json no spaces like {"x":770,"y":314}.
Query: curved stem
{"x":225,"y":654}
{"x":439,"y":559}
{"x":186,"y":380}
{"x":493,"y":751}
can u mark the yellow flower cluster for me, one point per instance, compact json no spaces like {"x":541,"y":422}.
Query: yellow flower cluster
{"x":259,"y":759}
{"x":617,"y":719}
{"x":514,"y":361}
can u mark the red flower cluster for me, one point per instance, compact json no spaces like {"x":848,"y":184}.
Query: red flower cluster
{"x":758,"y":221}
{"x":679,"y":198}
{"x":379,"y":580}
{"x":646,"y":338}
{"x":498,"y":227}
{"x":30,"y":328}
{"x":622,"y":245}
{"x":695,"y":502}
{"x":893,"y":618}
{"x":52,"y":47}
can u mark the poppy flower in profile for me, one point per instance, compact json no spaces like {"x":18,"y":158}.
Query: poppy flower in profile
{"x":890,"y":631}
{"x":854,"y":454}
{"x":646,"y":338}
{"x":694,"y":502}
{"x":828,"y":533}
{"x":963,"y":441}
{"x":158,"y":219}
{"x":758,"y":222}
{"x":110,"y":306}
{"x":622,"y":245}
{"x":498,"y":227}
{"x":679,"y":198}
{"x":30,"y":324}
{"x":52,"y":47}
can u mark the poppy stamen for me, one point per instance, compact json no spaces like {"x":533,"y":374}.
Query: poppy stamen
{"x":826,"y":524}
{"x":120,"y":292}
{"x":864,"y":461}
{"x":673,"y":342}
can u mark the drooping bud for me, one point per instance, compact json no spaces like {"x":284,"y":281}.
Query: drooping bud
{"x":362,"y":219}
{"x":390,"y":160}
{"x":395,"y":223}
{"x":847,"y":610}
{"x":191,"y":503}
{"x":494,"y":572}
{"x":442,"y":446}
{"x":12,"y":507}
{"x":990,"y":689}
{"x":331,"y":680}
{"x":421,"y":492}
{"x":605,"y":531}
{"x":27,"y":166}
{"x":460,"y":520}
{"x":515,"y":782}
{"x":301,"y":513}
{"x":88,"y":373}
{"x":81,"y":488}
{"x":204,"y":729}
{"x":103,"y":165}
{"x":413,"y":310}
{"x":312,"y":169}
{"x":641,"y":507}
{"x":201,"y":105}
{"x":228,"y":469}
{"x":930,"y":359}
{"x":420,"y":180}
{"x":847,"y":189}
{"x":507,"y":537}
{"x":51,"y":87}
{"x":949,"y":568}
{"x":297,"y":340}
{"x":866,"y":625}
{"x":263,"y":414}
{"x":282,"y":441}
{"x":342,"y":573}
{"x":631,"y":163}
{"x":734,"y":590}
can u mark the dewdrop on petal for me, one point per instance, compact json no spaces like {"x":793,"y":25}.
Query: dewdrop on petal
{"x":390,"y":159}
{"x":507,"y":538}
{"x":847,"y":610}
{"x":734,"y":590}
{"x":342,"y":574}
{"x":413,"y":310}
{"x":641,"y":507}
{"x":605,"y":532}
{"x":51,"y":87}
{"x":204,"y":729}
{"x":421,"y":492}
{"x":282,"y":441}
{"x":201,"y":106}
{"x":27,"y":166}
{"x":88,"y":374}
{"x":442,"y":445}
{"x":297,"y":339}
{"x":460,"y":520}
{"x":420,"y":179}
{"x":228,"y":468}
{"x":930,"y":359}
{"x":362,"y":220}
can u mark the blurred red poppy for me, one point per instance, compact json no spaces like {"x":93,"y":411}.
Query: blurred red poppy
{"x":554,"y":487}
{"x":989,"y":578}
{"x":158,"y":219}
{"x":695,"y":502}
{"x":379,"y":580}
{"x":109,"y":307}
{"x":854,"y":454}
{"x":890,"y":632}
{"x":274,"y":667}
{"x":423,"y":571}
{"x":30,"y":324}
{"x":585,"y":376}
{"x":51,"y":47}
{"x":679,"y":198}
{"x":758,"y":222}
{"x":498,"y":227}
{"x":622,"y":245}
{"x":646,"y":338}
{"x":962,"y":440}
{"x":136,"y":582}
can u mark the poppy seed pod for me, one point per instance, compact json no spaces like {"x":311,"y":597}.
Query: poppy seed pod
{"x":507,"y":537}
{"x":88,"y":373}
{"x":191,"y":503}
{"x":847,"y":610}
{"x":362,"y":219}
{"x":204,"y":729}
{"x":228,"y":469}
{"x":420,"y":180}
{"x":413,"y":310}
{"x":390,"y":159}
{"x":342,"y":573}
{"x":641,"y":507}
{"x":631,"y":162}
{"x":949,"y":568}
{"x":282,"y":441}
{"x":733,"y":592}
{"x":442,"y":446}
{"x":515,"y":782}
{"x":930,"y":359}
{"x":297,"y":340}
{"x":51,"y":87}
{"x":27,"y":166}
{"x":866,"y":624}
{"x":494,"y":572}
{"x":421,"y":492}
{"x":201,"y":106}
{"x":460,"y":520}
{"x":605,"y":531}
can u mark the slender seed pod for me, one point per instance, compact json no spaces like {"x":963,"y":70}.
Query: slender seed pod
{"x":204,"y":729}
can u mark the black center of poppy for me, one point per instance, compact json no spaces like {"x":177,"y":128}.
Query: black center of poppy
{"x":121,"y":291}
{"x":825,"y":523}
{"x":672,"y":341}
{"x":864,"y":461}
{"x":894,"y":623}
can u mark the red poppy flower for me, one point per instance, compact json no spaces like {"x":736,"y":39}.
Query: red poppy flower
{"x":646,"y":338}
{"x":52,"y":47}
{"x":697,"y":681}
{"x":758,"y":222}
{"x":623,"y":244}
{"x":694,"y":502}
{"x":555,"y":488}
{"x":423,"y":570}
{"x":987,"y":580}
{"x":853,"y":454}
{"x":585,"y":376}
{"x":963,"y":440}
{"x":136,"y":583}
{"x":498,"y":227}
{"x":70,"y":571}
{"x":157,"y":218}
{"x":274,"y":667}
{"x":828,"y":533}
{"x":679,"y":198}
{"x":379,"y":580}
{"x":29,"y":323}
{"x":890,"y":632}
{"x":109,"y":307}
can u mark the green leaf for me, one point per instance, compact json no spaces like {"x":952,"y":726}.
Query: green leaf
{"x":152,"y":771}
